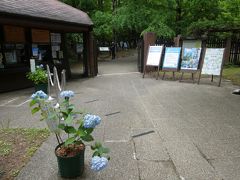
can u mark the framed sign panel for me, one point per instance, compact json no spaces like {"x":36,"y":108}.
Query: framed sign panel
{"x":192,"y":44}
{"x":190,"y":60}
{"x":14,"y":34}
{"x":153,"y":58}
{"x":40,"y":36}
{"x":171,"y":58}
{"x":154,"y":55}
{"x":212,"y":64}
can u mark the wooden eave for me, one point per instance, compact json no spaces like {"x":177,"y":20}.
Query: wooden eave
{"x":43,"y":23}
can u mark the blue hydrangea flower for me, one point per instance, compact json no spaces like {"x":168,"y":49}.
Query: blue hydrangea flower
{"x":91,"y":121}
{"x":98,"y":163}
{"x":39,"y":94}
{"x":66,"y":94}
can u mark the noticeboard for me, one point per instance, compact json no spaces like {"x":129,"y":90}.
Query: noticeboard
{"x":192,"y":44}
{"x":171,"y":58}
{"x":190,"y":59}
{"x":14,"y":34}
{"x":40,"y":36}
{"x":212,"y":64}
{"x":104,"y":49}
{"x":154,"y":55}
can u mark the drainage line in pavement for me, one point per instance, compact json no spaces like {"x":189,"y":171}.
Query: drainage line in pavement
{"x":92,"y":101}
{"x":142,"y":134}
{"x":112,"y":113}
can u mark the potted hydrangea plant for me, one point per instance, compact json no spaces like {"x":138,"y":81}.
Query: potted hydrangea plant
{"x":62,"y":118}
{"x":39,"y":78}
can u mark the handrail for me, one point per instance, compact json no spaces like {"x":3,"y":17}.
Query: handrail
{"x":55,"y":82}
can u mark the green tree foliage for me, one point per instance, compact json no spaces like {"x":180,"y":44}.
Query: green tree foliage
{"x":166,"y":17}
{"x":102,"y":30}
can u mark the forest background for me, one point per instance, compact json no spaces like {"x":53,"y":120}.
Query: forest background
{"x":127,"y":20}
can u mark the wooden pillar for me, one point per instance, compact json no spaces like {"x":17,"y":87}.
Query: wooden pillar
{"x":227,"y":50}
{"x":149,"y":38}
{"x":177,"y":41}
{"x":66,"y":64}
{"x":90,"y":69}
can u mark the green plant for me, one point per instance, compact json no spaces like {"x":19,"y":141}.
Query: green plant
{"x":39,"y":76}
{"x":78,"y":126}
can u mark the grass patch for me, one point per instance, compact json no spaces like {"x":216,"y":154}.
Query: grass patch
{"x":232,"y":73}
{"x":17,"y":147}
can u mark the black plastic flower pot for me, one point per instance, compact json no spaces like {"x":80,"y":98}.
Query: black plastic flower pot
{"x":70,"y":167}
{"x":43,"y":87}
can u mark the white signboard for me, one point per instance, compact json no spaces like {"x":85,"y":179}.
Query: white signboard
{"x":171,"y":58}
{"x":154,"y":55}
{"x":191,"y":57}
{"x":212,"y":63}
{"x":104,"y":49}
{"x":32,"y":65}
{"x":192,"y":44}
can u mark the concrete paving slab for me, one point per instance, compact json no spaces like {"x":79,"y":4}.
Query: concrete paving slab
{"x":229,"y":168}
{"x":219,"y":149}
{"x":157,"y":170}
{"x":149,"y":146}
{"x":189,"y":162}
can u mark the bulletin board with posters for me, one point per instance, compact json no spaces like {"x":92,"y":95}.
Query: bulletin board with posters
{"x":190,"y":61}
{"x":212,"y":63}
{"x":171,"y":60}
{"x":191,"y":57}
{"x":153,"y":58}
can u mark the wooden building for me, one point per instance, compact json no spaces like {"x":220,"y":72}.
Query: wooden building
{"x":37,"y":29}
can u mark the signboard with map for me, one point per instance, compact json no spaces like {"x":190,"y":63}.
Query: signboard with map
{"x":190,"y":60}
{"x":212,"y":64}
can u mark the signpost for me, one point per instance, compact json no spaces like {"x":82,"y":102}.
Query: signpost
{"x":213,"y":63}
{"x":171,"y":60}
{"x":153,"y":58}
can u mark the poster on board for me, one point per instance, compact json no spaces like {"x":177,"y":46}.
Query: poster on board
{"x":171,"y":58}
{"x":190,"y":59}
{"x":212,"y":63}
{"x":154,"y":55}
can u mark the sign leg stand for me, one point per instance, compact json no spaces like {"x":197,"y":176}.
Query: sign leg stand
{"x":158,"y":73}
{"x":212,"y":79}
{"x":163,"y":75}
{"x":193,"y":77}
{"x":181,"y":77}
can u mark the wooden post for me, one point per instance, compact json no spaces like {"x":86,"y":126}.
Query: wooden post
{"x":149,"y":39}
{"x":226,"y":55}
{"x":88,"y":54}
{"x":65,"y":56}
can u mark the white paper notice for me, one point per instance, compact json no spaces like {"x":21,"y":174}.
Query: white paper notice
{"x":212,"y":64}
{"x":171,"y":58}
{"x":154,"y":55}
{"x":32,"y":65}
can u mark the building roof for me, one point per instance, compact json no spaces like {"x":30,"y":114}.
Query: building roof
{"x":45,"y":9}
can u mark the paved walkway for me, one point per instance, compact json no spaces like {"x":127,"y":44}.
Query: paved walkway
{"x":158,"y":130}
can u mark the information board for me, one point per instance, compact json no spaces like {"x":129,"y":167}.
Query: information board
{"x":104,"y":49}
{"x":171,"y":58}
{"x":212,"y":64}
{"x":192,"y":44}
{"x":14,"y":34}
{"x":154,"y":55}
{"x":191,"y":57}
{"x":40,"y":36}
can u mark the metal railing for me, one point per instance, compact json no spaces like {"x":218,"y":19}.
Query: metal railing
{"x":54,"y":82}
